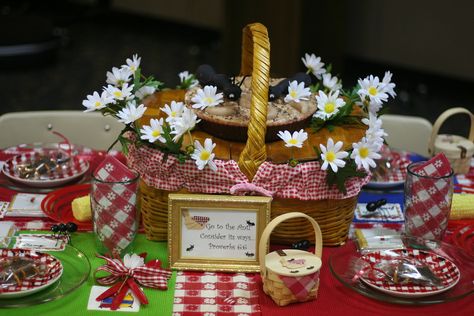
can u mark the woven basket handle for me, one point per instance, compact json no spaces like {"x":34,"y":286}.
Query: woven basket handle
{"x":255,"y":62}
{"x":442,"y":118}
{"x":263,"y":245}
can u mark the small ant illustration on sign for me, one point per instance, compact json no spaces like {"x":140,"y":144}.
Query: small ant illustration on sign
{"x":249,"y":254}
{"x":250,"y":223}
{"x":190,"y":248}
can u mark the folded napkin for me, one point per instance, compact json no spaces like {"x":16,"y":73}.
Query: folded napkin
{"x":114,"y":204}
{"x":428,"y":198}
{"x":462,"y":207}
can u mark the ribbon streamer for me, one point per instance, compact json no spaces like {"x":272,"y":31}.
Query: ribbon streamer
{"x":124,"y":278}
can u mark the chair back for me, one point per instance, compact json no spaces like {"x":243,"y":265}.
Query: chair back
{"x":92,"y":130}
{"x":411,"y":133}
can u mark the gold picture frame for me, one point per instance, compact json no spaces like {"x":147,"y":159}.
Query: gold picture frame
{"x":216,"y":232}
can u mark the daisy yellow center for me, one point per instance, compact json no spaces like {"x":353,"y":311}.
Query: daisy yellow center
{"x":132,"y":68}
{"x":118,"y":94}
{"x":372,"y":90}
{"x":293,"y":93}
{"x":363,"y":152}
{"x":329,"y":107}
{"x":330,"y":156}
{"x":293,"y":141}
{"x":155,"y":133}
{"x":173,"y":114}
{"x":97,"y":104}
{"x":208,"y":100}
{"x":204,"y":155}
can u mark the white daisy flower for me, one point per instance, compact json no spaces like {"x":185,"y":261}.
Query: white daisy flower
{"x":120,"y":94}
{"x":118,"y":76}
{"x":96,"y":101}
{"x":328,"y":105}
{"x":184,"y":76}
{"x":332,"y":155}
{"x":375,"y":133}
{"x":207,"y":97}
{"x":295,"y":140}
{"x":314,"y":64}
{"x":297,"y":92}
{"x":133,"y":261}
{"x":364,"y":154}
{"x":174,"y":111}
{"x":372,"y":88}
{"x":387,"y":85}
{"x":154,"y":131}
{"x":144,"y":91}
{"x":131,"y":112}
{"x":203,"y":155}
{"x":182,"y":124}
{"x":133,"y":64}
{"x":332,"y":83}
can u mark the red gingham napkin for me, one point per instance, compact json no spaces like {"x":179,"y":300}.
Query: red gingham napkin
{"x":428,"y":202}
{"x":115,"y":220}
{"x":214,"y":294}
{"x":301,"y":286}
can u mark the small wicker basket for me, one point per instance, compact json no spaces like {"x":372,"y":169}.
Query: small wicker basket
{"x":333,"y":215}
{"x":459,"y":150}
{"x":282,"y":269}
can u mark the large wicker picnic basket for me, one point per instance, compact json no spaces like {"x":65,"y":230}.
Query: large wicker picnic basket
{"x":334,"y":215}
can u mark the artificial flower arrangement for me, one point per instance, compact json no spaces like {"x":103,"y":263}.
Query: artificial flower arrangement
{"x":127,"y":88}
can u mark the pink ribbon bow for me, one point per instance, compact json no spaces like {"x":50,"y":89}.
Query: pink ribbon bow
{"x":149,"y":275}
{"x":242,"y":188}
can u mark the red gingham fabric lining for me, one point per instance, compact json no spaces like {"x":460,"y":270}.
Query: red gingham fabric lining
{"x":54,"y":269}
{"x":216,"y":294}
{"x":301,"y":286}
{"x":306,"y":181}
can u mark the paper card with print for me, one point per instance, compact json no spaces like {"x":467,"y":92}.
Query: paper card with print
{"x":43,"y":242}
{"x":26,"y":205}
{"x":129,"y":303}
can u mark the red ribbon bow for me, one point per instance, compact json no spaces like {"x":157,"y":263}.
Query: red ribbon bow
{"x":149,"y":275}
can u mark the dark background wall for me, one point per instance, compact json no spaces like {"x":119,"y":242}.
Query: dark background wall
{"x":54,"y":53}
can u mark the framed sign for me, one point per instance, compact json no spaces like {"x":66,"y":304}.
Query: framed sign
{"x":216,"y":232}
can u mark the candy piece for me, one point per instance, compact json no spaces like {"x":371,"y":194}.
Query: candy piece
{"x":81,"y":208}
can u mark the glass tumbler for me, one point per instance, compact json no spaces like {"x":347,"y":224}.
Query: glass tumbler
{"x":115,"y":215}
{"x":427,"y":203}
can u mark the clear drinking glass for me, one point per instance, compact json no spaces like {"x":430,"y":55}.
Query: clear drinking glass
{"x":427,"y":203}
{"x":115,"y":215}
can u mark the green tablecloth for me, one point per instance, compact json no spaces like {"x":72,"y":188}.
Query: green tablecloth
{"x":160,"y":302}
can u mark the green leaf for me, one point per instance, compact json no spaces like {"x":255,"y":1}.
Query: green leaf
{"x":340,"y":177}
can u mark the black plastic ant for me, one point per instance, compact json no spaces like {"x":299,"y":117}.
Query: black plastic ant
{"x":190,"y":248}
{"x":250,"y":223}
{"x":64,"y":230}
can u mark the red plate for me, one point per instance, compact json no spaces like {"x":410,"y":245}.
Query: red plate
{"x":67,"y":173}
{"x":443,"y":268}
{"x":50,"y":266}
{"x":57,"y":205}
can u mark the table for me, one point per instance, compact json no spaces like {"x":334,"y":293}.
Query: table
{"x":333,"y":297}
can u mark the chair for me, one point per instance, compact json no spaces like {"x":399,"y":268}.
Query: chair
{"x":92,"y":130}
{"x":411,"y":133}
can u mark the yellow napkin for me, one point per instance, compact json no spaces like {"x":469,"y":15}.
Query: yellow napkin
{"x":462,"y":206}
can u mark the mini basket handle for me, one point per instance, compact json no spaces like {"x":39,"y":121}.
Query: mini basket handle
{"x":255,"y":62}
{"x":442,"y":118}
{"x":263,"y":245}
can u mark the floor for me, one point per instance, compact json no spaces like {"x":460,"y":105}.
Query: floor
{"x":93,"y":40}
